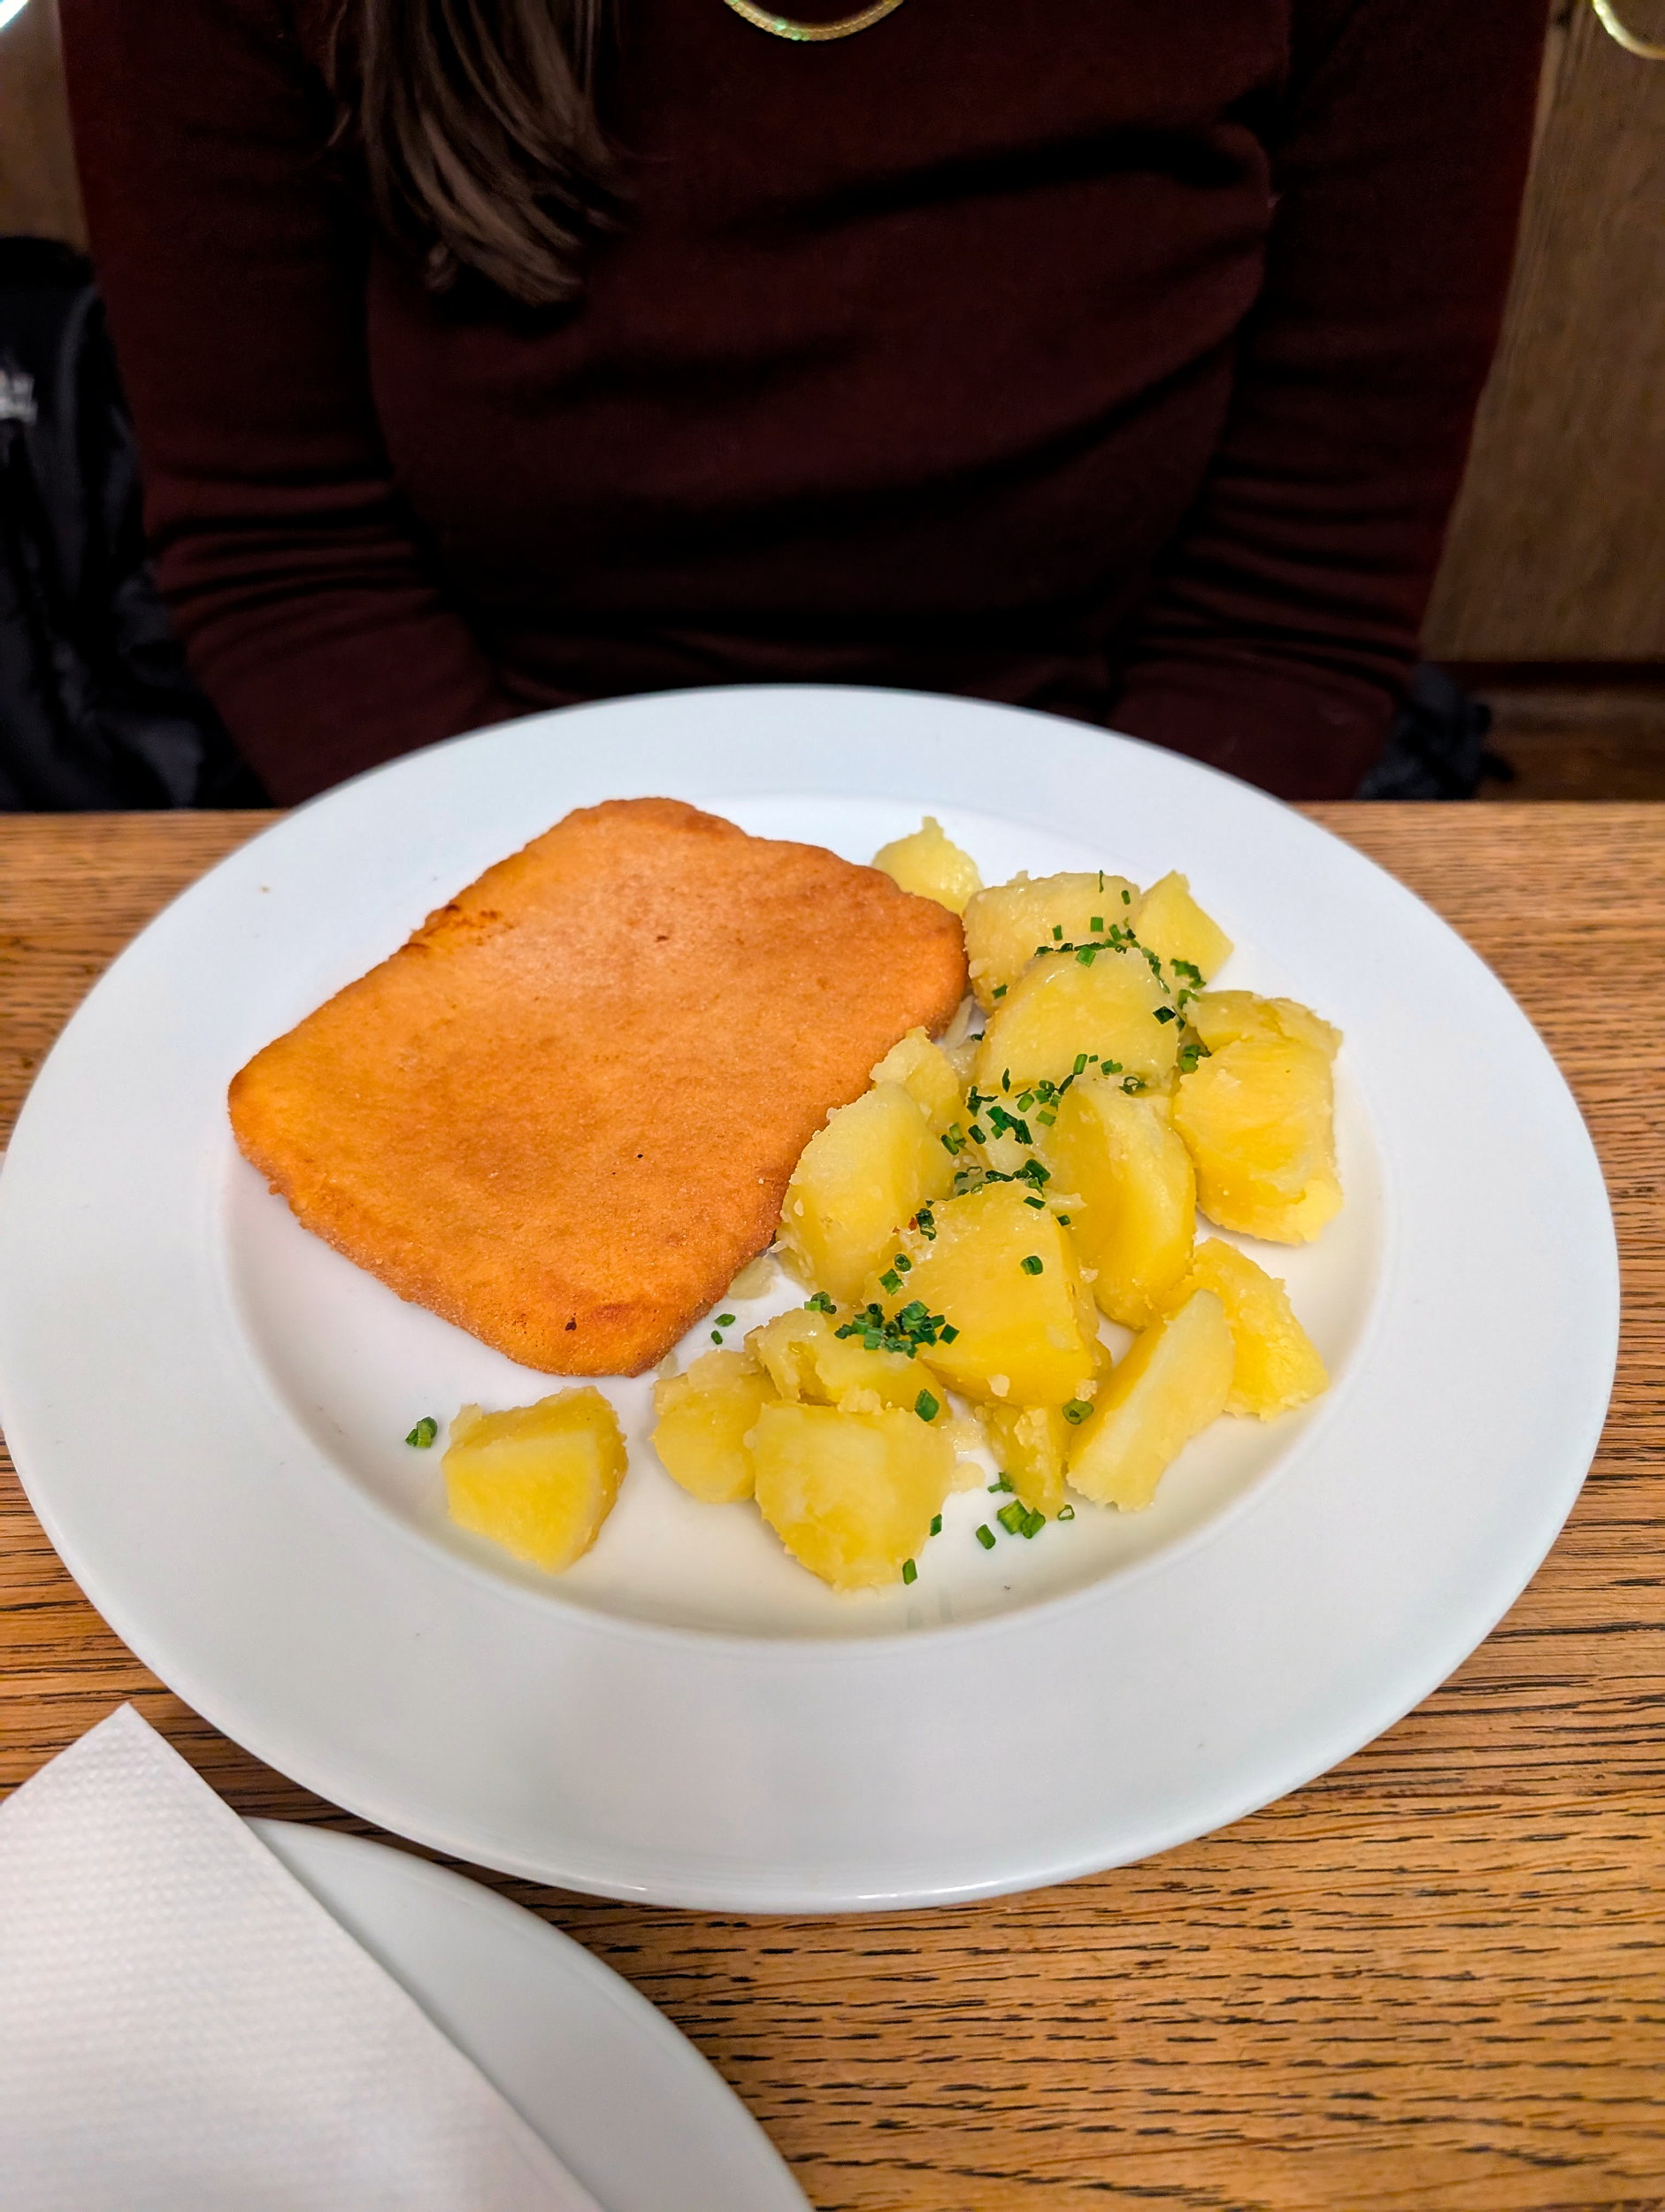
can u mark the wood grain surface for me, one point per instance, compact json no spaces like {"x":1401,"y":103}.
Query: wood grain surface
{"x":1434,"y":1978}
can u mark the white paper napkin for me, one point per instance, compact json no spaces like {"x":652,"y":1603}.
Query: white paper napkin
{"x":184,"y":2029}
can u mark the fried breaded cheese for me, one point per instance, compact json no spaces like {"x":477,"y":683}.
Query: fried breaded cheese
{"x":565,"y":1113}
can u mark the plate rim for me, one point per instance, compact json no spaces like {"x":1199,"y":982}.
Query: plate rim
{"x":578,"y":1966}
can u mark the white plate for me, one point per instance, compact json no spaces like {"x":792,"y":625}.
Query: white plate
{"x":207,"y":1406}
{"x":623,"y":2099}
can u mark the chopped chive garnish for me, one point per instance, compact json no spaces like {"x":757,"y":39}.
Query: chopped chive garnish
{"x":1127,"y":900}
{"x":998,"y":991}
{"x":1033,"y":1265}
{"x":1087,"y":954}
{"x":910,"y":1572}
{"x":1097,"y":922}
{"x":902,"y":1263}
{"x":1046,"y":1118}
{"x":986,"y":1536}
{"x":1003,"y":1483}
{"x":1166,"y":1014}
{"x":978,"y":1136}
{"x":1058,"y":932}
{"x":1011,"y":1518}
{"x":936,"y":1525}
{"x":1080,"y":1067}
{"x":1077,"y":1411}
{"x":424,"y":1434}
{"x":1032,"y":1523}
{"x":1064,"y":1219}
{"x":890,"y":1279}
{"x":717,"y":1336}
{"x":1067,"y":1512}
{"x":819,"y":1303}
{"x":1035,"y":1201}
{"x":926,"y":1407}
{"x":724,"y":1320}
{"x":946,"y":1334}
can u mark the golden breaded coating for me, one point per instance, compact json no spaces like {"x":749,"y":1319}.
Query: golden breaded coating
{"x":564,"y":1114}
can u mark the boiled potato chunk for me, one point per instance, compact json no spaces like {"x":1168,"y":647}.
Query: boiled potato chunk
{"x":851,"y":1495}
{"x":807,"y":1361}
{"x":1132,"y":1191}
{"x":1024,"y":1333}
{"x":1276,"y":1365}
{"x":1224,"y":1018}
{"x":1003,"y":926}
{"x":539,"y":1479}
{"x":929,"y":1077}
{"x":858,"y":1181}
{"x":1028,"y":1443}
{"x":1258,"y":1119}
{"x":704,"y":1418}
{"x":1168,"y":920}
{"x":1061,"y":1009}
{"x":931,"y":865}
{"x":1173,"y":1382}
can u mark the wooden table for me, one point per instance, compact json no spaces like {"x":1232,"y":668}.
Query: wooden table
{"x":1435,"y":1978}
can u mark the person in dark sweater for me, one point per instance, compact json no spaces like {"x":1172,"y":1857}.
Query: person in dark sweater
{"x":1115,"y":357}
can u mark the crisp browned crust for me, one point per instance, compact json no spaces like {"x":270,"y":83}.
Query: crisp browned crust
{"x":564,"y":1114}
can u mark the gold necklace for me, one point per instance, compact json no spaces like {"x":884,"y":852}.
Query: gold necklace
{"x":784,"y":27}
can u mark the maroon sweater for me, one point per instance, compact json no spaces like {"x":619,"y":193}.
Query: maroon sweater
{"x":1113,"y":356}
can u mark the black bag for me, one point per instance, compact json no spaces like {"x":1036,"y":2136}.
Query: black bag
{"x":96,"y":707}
{"x":1437,"y":748}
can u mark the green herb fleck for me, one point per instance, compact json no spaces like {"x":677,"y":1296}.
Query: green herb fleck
{"x":986,"y":1536}
{"x":926,"y":1407}
{"x":1097,"y":923}
{"x":424,"y":1434}
{"x":936,"y":1525}
{"x":925,"y":1222}
{"x":946,"y":1334}
{"x":1011,"y":1518}
{"x":954,"y":1142}
{"x":890,"y":1280}
{"x":1032,"y":1523}
{"x":1058,"y":932}
{"x":1192,"y":1050}
{"x":1035,"y":1201}
{"x":724,"y":1320}
{"x":913,"y":1327}
{"x":1077,"y":1411}
{"x":1166,"y":1014}
{"x":1046,"y":1119}
{"x":1127,"y":900}
{"x":910,"y":1572}
{"x":1066,"y":1513}
{"x":1002,"y":1482}
{"x":819,"y":1303}
{"x":998,"y":991}
{"x":1034,"y":1265}
{"x":1064,"y":1218}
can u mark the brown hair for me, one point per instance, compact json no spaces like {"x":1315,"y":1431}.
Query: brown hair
{"x":474,"y":123}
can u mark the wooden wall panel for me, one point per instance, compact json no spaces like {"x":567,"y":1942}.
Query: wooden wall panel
{"x":1557,"y":548}
{"x":38,"y":194}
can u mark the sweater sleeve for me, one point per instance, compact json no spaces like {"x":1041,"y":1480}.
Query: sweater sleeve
{"x":1285,"y":619}
{"x":234,"y":271}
